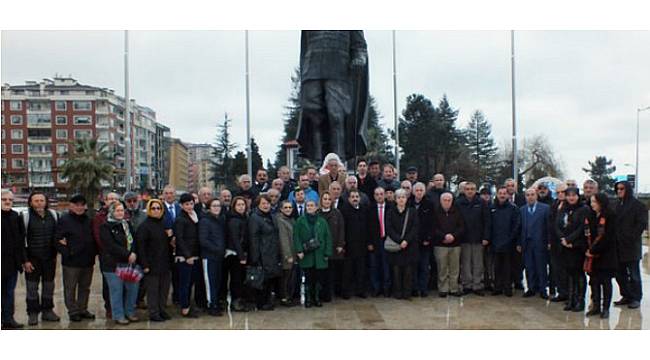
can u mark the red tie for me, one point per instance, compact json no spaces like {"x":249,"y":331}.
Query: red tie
{"x":381,"y":220}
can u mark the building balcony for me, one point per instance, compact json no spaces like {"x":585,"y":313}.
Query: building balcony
{"x":102,"y":110}
{"x":39,"y":154}
{"x":41,"y":184}
{"x":41,"y":125}
{"x":39,"y":139}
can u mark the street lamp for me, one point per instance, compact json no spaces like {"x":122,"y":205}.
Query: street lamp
{"x":636,"y":172}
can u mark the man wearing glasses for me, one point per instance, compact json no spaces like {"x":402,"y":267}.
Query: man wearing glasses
{"x":631,"y":221}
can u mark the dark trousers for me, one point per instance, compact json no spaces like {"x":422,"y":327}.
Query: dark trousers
{"x":354,"y":270}
{"x":8,"y":296}
{"x":43,"y":274}
{"x":502,"y":271}
{"x":200,"y":289}
{"x":313,"y":283}
{"x":157,"y":291}
{"x":106,"y":295}
{"x":601,"y":288}
{"x":559,"y":279}
{"x":232,"y":279}
{"x":402,"y":281}
{"x":175,"y":285}
{"x":212,"y":279}
{"x":421,"y":270}
{"x":263,"y":296}
{"x":433,"y":274}
{"x":334,"y":279}
{"x":517,"y":268}
{"x":76,"y":288}
{"x":577,"y":286}
{"x":488,"y":268}
{"x":188,"y":277}
{"x":288,"y":283}
{"x":536,"y":264}
{"x":628,"y":278}
{"x":379,"y":270}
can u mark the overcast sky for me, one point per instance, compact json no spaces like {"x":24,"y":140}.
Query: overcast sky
{"x":580,"y":88}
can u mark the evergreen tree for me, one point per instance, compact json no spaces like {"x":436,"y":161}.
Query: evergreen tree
{"x":222,"y":155}
{"x":258,"y":163}
{"x":291,"y":119}
{"x":239,"y":167}
{"x":482,"y":149}
{"x":378,"y":142}
{"x":450,"y":140}
{"x":417,"y":134}
{"x":600,"y":170}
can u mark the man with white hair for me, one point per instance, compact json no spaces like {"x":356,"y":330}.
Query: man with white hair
{"x":226,"y":198}
{"x":246,"y":188}
{"x":425,"y":209}
{"x":284,"y":174}
{"x":449,"y":231}
{"x":351,"y":183}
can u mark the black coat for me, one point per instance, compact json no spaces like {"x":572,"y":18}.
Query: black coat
{"x":114,"y":246}
{"x":425,"y":210}
{"x":187,"y":236}
{"x":81,"y":249}
{"x":13,"y":243}
{"x":367,"y":186}
{"x":264,"y":243}
{"x":603,"y":247}
{"x":212,"y":237}
{"x":477,"y":215}
{"x":570,"y":225}
{"x":394,"y":224}
{"x":356,"y":231}
{"x":237,"y":234}
{"x":631,"y":221}
{"x":153,"y":246}
{"x":448,"y":222}
{"x":504,"y":226}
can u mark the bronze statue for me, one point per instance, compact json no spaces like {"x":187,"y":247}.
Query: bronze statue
{"x":333,"y":94}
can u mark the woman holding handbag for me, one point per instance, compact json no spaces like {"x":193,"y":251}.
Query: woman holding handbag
{"x":312,"y":243}
{"x":401,"y":228}
{"x":118,"y":254}
{"x":601,"y":259}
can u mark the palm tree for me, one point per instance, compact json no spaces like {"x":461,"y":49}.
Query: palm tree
{"x":86,"y":167}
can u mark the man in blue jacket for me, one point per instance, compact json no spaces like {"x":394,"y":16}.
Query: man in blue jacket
{"x":534,"y":243}
{"x":504,"y":219}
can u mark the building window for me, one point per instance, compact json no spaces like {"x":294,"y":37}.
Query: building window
{"x":17,"y":163}
{"x":60,"y":162}
{"x":4,"y":149}
{"x":39,"y":119}
{"x":61,"y":148}
{"x":39,"y":105}
{"x":60,"y":105}
{"x":4,"y":163}
{"x":16,"y":148}
{"x":83,"y":134}
{"x":15,"y":105}
{"x":3,"y":134}
{"x":16,"y":134}
{"x":61,"y":120}
{"x":40,"y":149}
{"x":16,"y":119}
{"x":61,"y":134}
{"x":82,"y":120}
{"x":3,"y":117}
{"x":82,"y":105}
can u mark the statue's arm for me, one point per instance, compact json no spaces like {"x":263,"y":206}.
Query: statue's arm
{"x":358,"y":47}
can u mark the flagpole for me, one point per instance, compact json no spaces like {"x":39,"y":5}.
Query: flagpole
{"x":395,"y":117}
{"x":515,"y":165}
{"x":248,"y":116}
{"x":127,"y":112}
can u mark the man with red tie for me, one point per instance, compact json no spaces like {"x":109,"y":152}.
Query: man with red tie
{"x":379,"y":270}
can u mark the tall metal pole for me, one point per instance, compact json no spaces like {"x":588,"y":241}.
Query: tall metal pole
{"x":248,"y":115}
{"x":636,"y":167}
{"x":515,"y":165}
{"x":396,"y":119}
{"x":127,"y":112}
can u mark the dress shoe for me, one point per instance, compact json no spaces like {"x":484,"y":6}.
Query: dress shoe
{"x":190,"y":314}
{"x":508,"y":293}
{"x":87,"y":315}
{"x":308,"y":304}
{"x":623,"y":301}
{"x":519,"y":286}
{"x":345,"y":297}
{"x":604,"y":314}
{"x":32,"y":319}
{"x":467,"y":291}
{"x":415,"y":293}
{"x":457,"y":294}
{"x":267,"y":307}
{"x":559,"y":298}
{"x":593,"y":312}
{"x":49,"y":315}
{"x":579,"y":307}
{"x":376,"y":293}
{"x":133,"y":318}
{"x":442,"y":294}
{"x":424,"y":294}
{"x":633,"y":304}
{"x":165,"y":315}
{"x":317,"y":303}
{"x":156,"y":318}
{"x":75,"y":318}
{"x":528,"y":294}
{"x":497,"y":292}
{"x":479,"y":293}
{"x":362,"y":295}
{"x":544,"y":295}
{"x":12,"y":325}
{"x":215,"y":312}
{"x":568,"y":307}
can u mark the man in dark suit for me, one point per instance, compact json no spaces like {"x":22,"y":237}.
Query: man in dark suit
{"x":517,"y":264}
{"x":534,"y":243}
{"x":355,"y":217}
{"x":172,"y":209}
{"x":380,"y":276}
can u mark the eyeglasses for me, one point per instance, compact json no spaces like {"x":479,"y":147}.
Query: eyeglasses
{"x":154,"y":208}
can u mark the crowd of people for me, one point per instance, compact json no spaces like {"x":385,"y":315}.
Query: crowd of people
{"x":332,"y":234}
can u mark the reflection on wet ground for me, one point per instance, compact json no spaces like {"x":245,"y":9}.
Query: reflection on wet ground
{"x":469,"y":312}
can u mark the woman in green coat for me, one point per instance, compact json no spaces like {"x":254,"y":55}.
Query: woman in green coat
{"x":312,"y":261}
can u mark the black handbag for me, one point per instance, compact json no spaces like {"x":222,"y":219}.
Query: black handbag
{"x":254,"y":277}
{"x":311,"y":245}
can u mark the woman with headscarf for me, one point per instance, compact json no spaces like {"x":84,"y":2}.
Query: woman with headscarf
{"x":187,"y":253}
{"x":119,"y":248}
{"x":153,"y":255}
{"x":312,"y":243}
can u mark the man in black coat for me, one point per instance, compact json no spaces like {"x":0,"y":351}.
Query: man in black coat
{"x":78,"y":251}
{"x":425,"y":209}
{"x":13,"y":257}
{"x":262,"y":183}
{"x":365,"y":183}
{"x":355,"y":217}
{"x":631,"y":221}
{"x":517,"y":264}
{"x":380,"y":274}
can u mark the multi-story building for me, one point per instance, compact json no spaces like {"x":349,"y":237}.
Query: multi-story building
{"x":178,"y":164}
{"x":200,"y":167}
{"x":40,"y":119}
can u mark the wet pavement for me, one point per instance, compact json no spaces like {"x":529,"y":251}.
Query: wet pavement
{"x":468,"y":312}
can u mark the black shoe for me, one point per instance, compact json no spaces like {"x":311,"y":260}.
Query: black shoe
{"x":326,"y":298}
{"x":479,"y":293}
{"x":623,"y":301}
{"x":497,"y":292}
{"x":156,"y":318}
{"x":579,"y":307}
{"x":544,"y":295}
{"x":50,"y":315}
{"x":215,"y":312}
{"x":559,"y":298}
{"x":190,"y":314}
{"x":457,"y":294}
{"x":12,"y":325}
{"x":604,"y":314}
{"x":307,"y":304}
{"x":32,"y":319}
{"x":508,"y":293}
{"x":424,"y":294}
{"x":345,"y":297}
{"x":519,"y":286}
{"x":415,"y":293}
{"x":467,"y":291}
{"x":398,"y":296}
{"x":87,"y":315}
{"x":568,"y":307}
{"x":75,"y":318}
{"x":362,"y":295}
{"x":376,"y":293}
{"x":165,"y":315}
{"x":528,"y":294}
{"x":633,"y":304}
{"x":489,"y":288}
{"x":317,"y":303}
{"x":442,"y":294}
{"x":267,"y":307}
{"x":593,"y":311}
{"x":286,"y":303}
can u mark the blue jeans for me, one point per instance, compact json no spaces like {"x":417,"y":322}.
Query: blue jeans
{"x":421,"y":278}
{"x":380,"y":272}
{"x":212,"y":276}
{"x":188,"y":275}
{"x":8,"y":287}
{"x":121,"y":305}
